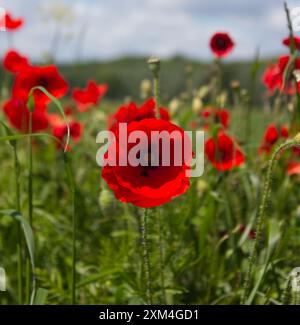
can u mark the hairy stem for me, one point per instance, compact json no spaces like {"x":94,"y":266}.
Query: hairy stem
{"x":260,"y":219}
{"x":146,"y":256}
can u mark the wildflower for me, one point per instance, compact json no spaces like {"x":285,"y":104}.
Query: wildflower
{"x":12,"y":24}
{"x":221,"y":44}
{"x":130,"y":112}
{"x":287,"y":41}
{"x":148,"y":186}
{"x":17,"y":114}
{"x":215,"y":115}
{"x":89,"y":96}
{"x":223,"y":153}
{"x":47,"y":77}
{"x":60,"y":129}
{"x":15,"y":62}
{"x":271,"y":136}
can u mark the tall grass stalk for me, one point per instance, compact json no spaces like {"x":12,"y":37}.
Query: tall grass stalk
{"x":30,"y":203}
{"x":261,"y":214}
{"x":71,"y":181}
{"x":19,"y":230}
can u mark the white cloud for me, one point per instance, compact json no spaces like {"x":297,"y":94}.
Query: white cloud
{"x":105,"y":29}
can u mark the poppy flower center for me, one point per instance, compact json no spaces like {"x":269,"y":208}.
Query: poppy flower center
{"x":221,"y":43}
{"x":43,"y":82}
{"x":146,"y":163}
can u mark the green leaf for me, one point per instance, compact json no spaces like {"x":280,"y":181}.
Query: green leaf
{"x":9,"y":133}
{"x":22,"y":136}
{"x":29,"y":238}
{"x":40,"y":296}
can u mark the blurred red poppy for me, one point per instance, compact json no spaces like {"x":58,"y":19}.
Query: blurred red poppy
{"x":17,"y":114}
{"x":12,"y":24}
{"x":91,"y":95}
{"x":149,"y":186}
{"x":60,"y":129}
{"x":223,"y":153}
{"x":287,"y":42}
{"x":293,"y":168}
{"x":131,"y":112}
{"x":271,"y":136}
{"x":271,"y":78}
{"x":15,"y":62}
{"x":217,"y":116}
{"x":221,"y":44}
{"x":47,"y":77}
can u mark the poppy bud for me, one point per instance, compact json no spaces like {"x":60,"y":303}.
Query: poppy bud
{"x":154,"y":66}
{"x":197,"y":105}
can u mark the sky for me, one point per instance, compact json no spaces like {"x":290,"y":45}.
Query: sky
{"x":108,"y":29}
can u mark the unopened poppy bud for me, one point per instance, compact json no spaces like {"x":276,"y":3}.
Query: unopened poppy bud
{"x":290,"y":107}
{"x":222,"y":99}
{"x":145,"y":88}
{"x":174,"y":105}
{"x":154,"y":66}
{"x":203,"y":91}
{"x":197,"y":105}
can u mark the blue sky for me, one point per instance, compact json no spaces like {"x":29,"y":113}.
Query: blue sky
{"x":104,"y":29}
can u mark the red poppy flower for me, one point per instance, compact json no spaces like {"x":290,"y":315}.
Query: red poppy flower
{"x":223,"y":153}
{"x":47,"y":77}
{"x":293,"y":168}
{"x":272,"y":78}
{"x":221,"y":44}
{"x":60,"y":129}
{"x":130,"y":112}
{"x":11,"y":23}
{"x":148,"y":186}
{"x":17,"y":114}
{"x":287,"y":41}
{"x":271,"y":136}
{"x":218,"y":116}
{"x":91,"y":95}
{"x":15,"y":62}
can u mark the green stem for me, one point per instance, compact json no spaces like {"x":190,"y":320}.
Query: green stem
{"x":146,"y":257}
{"x":30,"y":204}
{"x":154,"y":66}
{"x":157,"y":97}
{"x":19,"y":230}
{"x":72,"y":186}
{"x":260,"y":219}
{"x":74,"y":252}
{"x":161,"y":257}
